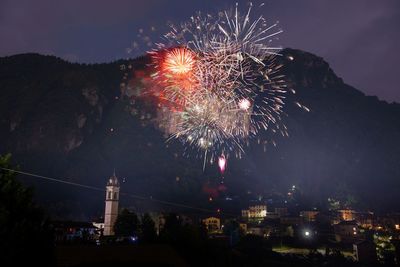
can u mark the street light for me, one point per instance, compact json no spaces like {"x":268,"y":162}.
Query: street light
{"x":307,"y":233}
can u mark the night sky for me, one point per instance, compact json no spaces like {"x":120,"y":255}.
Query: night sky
{"x":359,"y":38}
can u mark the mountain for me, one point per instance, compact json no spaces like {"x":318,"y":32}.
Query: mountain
{"x":70,"y":121}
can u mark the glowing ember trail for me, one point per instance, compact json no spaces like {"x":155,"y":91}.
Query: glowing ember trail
{"x":222,"y":163}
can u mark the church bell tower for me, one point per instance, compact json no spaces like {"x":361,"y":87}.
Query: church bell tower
{"x":111,"y":209}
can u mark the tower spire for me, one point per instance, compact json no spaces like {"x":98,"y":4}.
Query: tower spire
{"x":111,"y":207}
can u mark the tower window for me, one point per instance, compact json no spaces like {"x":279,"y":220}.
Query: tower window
{"x":115,"y":195}
{"x":109,"y":195}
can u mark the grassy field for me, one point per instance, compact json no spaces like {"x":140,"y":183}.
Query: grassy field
{"x":304,"y":251}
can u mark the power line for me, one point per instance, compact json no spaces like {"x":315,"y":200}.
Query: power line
{"x":53,"y":179}
{"x":150,"y":199}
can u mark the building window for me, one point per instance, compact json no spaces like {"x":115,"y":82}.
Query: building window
{"x":109,"y":195}
{"x":115,"y":195}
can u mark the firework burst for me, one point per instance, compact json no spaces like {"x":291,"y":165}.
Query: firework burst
{"x":179,"y":61}
{"x":220,"y":82}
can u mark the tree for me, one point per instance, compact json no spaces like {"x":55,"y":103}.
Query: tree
{"x":148,"y":231}
{"x":25,"y":234}
{"x":127,"y":224}
{"x":232,"y":230}
{"x":172,"y":228}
